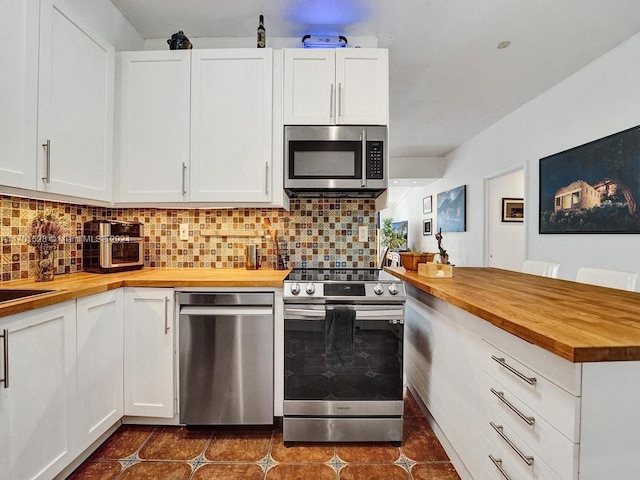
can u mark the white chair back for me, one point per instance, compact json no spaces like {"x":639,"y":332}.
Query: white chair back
{"x":608,"y":278}
{"x":544,"y":269}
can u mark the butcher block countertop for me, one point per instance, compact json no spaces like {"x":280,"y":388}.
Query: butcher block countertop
{"x":75,"y":285}
{"x":578,"y":322}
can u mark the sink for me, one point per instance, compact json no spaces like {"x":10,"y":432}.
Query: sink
{"x":9,"y":294}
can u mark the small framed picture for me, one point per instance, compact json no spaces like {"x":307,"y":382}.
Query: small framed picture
{"x":426,"y":205}
{"x":513,"y":209}
{"x":426,"y":227}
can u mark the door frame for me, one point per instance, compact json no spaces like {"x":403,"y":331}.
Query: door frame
{"x":487,"y":180}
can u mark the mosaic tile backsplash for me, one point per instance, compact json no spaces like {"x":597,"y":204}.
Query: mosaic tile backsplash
{"x":314,"y":233}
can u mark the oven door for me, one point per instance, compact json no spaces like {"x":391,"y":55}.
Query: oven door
{"x":371,"y":386}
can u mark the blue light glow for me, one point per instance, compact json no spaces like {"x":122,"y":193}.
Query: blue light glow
{"x":327,"y":17}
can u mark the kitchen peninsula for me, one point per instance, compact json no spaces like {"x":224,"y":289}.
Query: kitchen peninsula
{"x":524,"y":375}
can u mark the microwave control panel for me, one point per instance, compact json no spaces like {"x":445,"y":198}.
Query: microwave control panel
{"x":375,"y":163}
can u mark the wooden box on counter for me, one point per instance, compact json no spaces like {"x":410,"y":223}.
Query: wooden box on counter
{"x":410,"y":260}
{"x":435,"y":270}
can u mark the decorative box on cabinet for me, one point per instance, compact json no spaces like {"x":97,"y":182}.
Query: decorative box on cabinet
{"x":346,"y":86}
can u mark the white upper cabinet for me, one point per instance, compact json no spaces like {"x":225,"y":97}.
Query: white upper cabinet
{"x":195,"y":126}
{"x":19,"y":93}
{"x":75,"y":106}
{"x":231,"y":125}
{"x":345,"y":86}
{"x":152,"y":126}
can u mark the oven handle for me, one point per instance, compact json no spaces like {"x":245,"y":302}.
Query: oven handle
{"x":319,"y":314}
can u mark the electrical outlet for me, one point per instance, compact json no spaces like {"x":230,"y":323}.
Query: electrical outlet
{"x":184,"y":231}
{"x":363,"y":234}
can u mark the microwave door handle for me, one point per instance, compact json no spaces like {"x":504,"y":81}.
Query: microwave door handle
{"x":364,"y":158}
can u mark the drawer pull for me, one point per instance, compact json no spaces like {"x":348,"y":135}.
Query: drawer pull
{"x":500,"y":395}
{"x":498,"y":463}
{"x":499,"y":429}
{"x":5,"y":342}
{"x":529,"y":380}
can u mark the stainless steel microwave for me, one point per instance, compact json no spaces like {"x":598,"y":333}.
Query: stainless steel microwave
{"x":335,"y":161}
{"x":110,"y":246}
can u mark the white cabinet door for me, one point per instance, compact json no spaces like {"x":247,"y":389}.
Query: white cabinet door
{"x":152,"y":126}
{"x":75,"y":111}
{"x":231,"y":125}
{"x":149,"y":352}
{"x":309,"y":87}
{"x":362,"y":78}
{"x":19,"y":93}
{"x":345,"y":86}
{"x":37,"y":409}
{"x":100,"y":364}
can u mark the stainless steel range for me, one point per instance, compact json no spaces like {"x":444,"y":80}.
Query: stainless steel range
{"x":343,"y":343}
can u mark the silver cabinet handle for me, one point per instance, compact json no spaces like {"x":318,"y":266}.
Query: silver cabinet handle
{"x":525,"y":458}
{"x":5,"y":342}
{"x":500,"y":395}
{"x":340,"y":100}
{"x":166,"y":315}
{"x":498,"y":463}
{"x":266,"y":177}
{"x":364,"y":158}
{"x":521,"y":376}
{"x":47,"y":147}
{"x":184,"y":170}
{"x":332,"y":102}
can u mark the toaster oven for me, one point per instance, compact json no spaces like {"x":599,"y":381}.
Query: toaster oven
{"x":111,"y":246}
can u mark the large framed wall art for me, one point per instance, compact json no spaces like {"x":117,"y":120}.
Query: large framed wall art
{"x":592,"y":188}
{"x":452,"y":210}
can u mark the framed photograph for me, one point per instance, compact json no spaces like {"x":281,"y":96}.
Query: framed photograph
{"x":452,"y":210}
{"x":592,"y":188}
{"x":401,"y":234}
{"x":426,"y":227}
{"x":426,"y":205}
{"x":513,"y":209}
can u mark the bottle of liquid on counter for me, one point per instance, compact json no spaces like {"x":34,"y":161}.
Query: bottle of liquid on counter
{"x":262,"y":33}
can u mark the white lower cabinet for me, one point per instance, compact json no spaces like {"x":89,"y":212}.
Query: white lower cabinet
{"x":38,"y":407}
{"x":100,"y":364}
{"x":538,"y":416}
{"x":149,"y":352}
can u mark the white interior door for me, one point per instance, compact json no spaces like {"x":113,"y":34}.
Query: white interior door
{"x":505,"y":240}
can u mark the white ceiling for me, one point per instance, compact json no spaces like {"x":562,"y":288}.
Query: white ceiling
{"x":448,"y":81}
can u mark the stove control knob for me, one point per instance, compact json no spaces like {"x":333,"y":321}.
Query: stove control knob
{"x":393,"y":289}
{"x":377,"y":289}
{"x":310,"y":288}
{"x":295,"y":288}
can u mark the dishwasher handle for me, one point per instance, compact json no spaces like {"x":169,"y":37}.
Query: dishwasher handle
{"x":225,"y":310}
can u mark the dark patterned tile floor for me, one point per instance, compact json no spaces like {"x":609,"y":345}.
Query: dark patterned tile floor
{"x":180,"y":453}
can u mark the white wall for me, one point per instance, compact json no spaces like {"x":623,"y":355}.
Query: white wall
{"x":601,"y":99}
{"x":105,"y":18}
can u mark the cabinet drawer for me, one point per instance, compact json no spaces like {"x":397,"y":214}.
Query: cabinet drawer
{"x":548,"y":443}
{"x":542,"y":397}
{"x":517,"y":456}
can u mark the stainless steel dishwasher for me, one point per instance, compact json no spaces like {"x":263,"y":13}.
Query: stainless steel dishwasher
{"x":225,"y":358}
